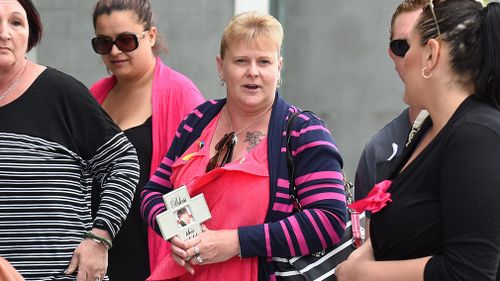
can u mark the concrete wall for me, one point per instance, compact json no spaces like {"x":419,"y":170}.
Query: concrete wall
{"x":335,"y":53}
{"x":336,"y":64}
{"x":191,"y":29}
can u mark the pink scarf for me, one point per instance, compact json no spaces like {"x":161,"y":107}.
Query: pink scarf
{"x":173,"y":97}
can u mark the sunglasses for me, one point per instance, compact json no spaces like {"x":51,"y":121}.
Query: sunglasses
{"x":399,"y":47}
{"x":126,"y":42}
{"x":224,"y":152}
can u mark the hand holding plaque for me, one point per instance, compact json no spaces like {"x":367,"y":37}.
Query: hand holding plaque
{"x":184,"y":215}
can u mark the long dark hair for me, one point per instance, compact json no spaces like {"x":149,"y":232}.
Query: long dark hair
{"x":473,"y":35}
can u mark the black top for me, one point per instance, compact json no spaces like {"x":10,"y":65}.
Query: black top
{"x":129,"y":259}
{"x":446,"y":202}
{"x":54,"y":139}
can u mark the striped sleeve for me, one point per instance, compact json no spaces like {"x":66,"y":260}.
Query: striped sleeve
{"x":116,"y":166}
{"x":151,"y":197}
{"x":319,"y":181}
{"x":159,"y":184}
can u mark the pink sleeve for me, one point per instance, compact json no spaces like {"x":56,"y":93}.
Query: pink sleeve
{"x":101,"y":88}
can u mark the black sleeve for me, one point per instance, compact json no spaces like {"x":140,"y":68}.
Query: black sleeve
{"x":470,"y":196}
{"x":89,"y":125}
{"x":110,"y":158}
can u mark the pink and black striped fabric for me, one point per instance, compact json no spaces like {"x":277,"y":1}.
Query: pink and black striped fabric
{"x":319,"y":182}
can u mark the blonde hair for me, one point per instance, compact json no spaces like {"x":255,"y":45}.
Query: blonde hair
{"x":249,"y":26}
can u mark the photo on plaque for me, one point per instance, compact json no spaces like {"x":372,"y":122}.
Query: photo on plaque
{"x":184,"y":215}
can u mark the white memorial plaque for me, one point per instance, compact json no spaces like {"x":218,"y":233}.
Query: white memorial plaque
{"x":183,"y":215}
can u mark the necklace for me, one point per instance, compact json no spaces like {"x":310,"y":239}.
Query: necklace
{"x":235,"y":137}
{"x":225,"y":147}
{"x":13,"y":83}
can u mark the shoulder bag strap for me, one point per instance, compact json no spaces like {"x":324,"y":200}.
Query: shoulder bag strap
{"x":289,"y":159}
{"x":357,"y":233}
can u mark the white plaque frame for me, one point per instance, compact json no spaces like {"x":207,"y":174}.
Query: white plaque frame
{"x":183,"y":215}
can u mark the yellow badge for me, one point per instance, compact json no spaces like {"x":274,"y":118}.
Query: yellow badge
{"x":189,"y":156}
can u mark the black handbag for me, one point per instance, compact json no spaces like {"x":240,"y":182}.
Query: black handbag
{"x":321,"y":265}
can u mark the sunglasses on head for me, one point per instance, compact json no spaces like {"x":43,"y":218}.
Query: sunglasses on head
{"x":434,"y":17}
{"x":126,"y":42}
{"x":399,"y":47}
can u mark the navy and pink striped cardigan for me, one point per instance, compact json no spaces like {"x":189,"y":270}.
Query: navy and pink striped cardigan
{"x":318,"y":178}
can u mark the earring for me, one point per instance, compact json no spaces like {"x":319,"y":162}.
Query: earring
{"x":280,"y":82}
{"x":424,"y":75}
{"x":222,"y":82}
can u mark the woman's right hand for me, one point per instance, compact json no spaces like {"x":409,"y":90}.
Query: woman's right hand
{"x":179,"y":253}
{"x":90,"y":259}
{"x":366,"y":250}
{"x":347,"y":270}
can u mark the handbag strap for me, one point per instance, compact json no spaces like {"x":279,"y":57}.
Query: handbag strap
{"x":357,"y":235}
{"x":289,"y":159}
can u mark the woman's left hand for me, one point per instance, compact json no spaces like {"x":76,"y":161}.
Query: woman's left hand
{"x":90,"y":259}
{"x":213,"y":246}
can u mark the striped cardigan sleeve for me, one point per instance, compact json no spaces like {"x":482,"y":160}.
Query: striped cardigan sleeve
{"x":116,"y":166}
{"x":159,"y":184}
{"x":319,"y":182}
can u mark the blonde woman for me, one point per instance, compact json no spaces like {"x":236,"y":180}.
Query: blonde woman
{"x":233,"y":151}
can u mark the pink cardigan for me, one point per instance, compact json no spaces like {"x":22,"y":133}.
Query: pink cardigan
{"x":173,"y":97}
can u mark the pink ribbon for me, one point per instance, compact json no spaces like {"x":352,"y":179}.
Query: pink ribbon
{"x":376,"y":199}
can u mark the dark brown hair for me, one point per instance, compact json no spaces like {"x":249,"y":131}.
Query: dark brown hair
{"x":406,"y":7}
{"x":34,"y":23}
{"x":141,"y":8}
{"x":473,"y":35}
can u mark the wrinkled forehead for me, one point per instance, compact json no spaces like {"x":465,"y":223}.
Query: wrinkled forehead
{"x":12,"y":6}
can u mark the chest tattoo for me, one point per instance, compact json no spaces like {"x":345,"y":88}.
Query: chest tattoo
{"x":253,"y":138}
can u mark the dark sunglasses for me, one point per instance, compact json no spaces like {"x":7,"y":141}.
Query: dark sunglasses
{"x":126,"y":42}
{"x":224,"y":152}
{"x":399,"y":47}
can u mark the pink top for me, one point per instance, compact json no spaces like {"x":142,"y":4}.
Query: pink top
{"x":173,"y":97}
{"x":237,"y":195}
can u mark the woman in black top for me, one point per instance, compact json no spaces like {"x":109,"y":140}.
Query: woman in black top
{"x":54,"y":140}
{"x":147,"y":100}
{"x":444,"y":219}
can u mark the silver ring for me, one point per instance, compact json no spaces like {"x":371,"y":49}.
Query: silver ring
{"x":196,"y":250}
{"x":199,"y":259}
{"x":98,"y":279}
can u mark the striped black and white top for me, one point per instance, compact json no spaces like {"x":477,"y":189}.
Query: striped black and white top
{"x":54,"y":140}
